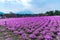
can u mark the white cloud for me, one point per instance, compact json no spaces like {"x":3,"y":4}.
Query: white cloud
{"x":14,"y":5}
{"x":34,"y":5}
{"x":2,"y":1}
{"x":25,"y":2}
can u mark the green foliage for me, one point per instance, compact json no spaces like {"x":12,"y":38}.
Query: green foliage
{"x":57,"y":12}
{"x":51,"y":13}
{"x":11,"y":14}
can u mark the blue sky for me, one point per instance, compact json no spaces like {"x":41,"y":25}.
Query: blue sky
{"x":36,"y":6}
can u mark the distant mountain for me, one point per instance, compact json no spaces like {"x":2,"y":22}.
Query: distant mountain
{"x":1,"y":13}
{"x":25,"y":12}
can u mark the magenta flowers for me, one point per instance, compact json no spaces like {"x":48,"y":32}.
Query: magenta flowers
{"x":39,"y":28}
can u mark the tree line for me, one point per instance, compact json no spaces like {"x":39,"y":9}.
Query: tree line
{"x":11,"y":14}
{"x":52,"y":13}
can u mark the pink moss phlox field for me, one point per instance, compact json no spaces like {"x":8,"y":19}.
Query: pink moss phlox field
{"x":39,"y":28}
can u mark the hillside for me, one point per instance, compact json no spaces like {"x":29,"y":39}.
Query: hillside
{"x":30,"y":28}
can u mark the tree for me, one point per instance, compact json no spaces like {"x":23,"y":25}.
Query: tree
{"x":49,"y":13}
{"x":57,"y":12}
{"x":9,"y":15}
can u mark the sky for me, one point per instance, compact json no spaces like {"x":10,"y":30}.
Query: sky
{"x":36,"y":6}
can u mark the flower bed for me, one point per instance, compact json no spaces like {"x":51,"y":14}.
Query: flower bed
{"x":33,"y":28}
